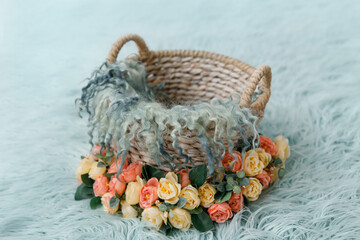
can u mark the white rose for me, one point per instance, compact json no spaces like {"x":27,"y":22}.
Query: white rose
{"x":181,"y":219}
{"x":127,"y":210}
{"x":153,"y":216}
{"x":132,"y":193}
{"x":96,"y":171}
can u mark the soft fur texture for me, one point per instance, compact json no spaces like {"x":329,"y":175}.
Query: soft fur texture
{"x":313,"y":48}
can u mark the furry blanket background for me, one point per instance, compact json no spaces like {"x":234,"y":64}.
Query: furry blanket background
{"x":47,"y":48}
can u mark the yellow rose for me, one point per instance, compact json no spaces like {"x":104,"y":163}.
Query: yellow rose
{"x":283,"y":147}
{"x":181,"y":219}
{"x":169,"y":188}
{"x":253,"y":190}
{"x":127,"y":210}
{"x":252,"y":163}
{"x":132,"y":193}
{"x":191,"y":194}
{"x":207,"y":193}
{"x":96,"y":171}
{"x":263,"y":156}
{"x":153,"y":216}
{"x":84,"y":167}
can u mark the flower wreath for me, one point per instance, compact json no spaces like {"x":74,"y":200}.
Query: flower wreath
{"x":177,"y":200}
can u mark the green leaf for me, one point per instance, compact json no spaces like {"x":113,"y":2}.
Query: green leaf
{"x":109,"y":154}
{"x":226,"y":197}
{"x":114,"y":202}
{"x":98,"y":155}
{"x":244,"y":181}
{"x":240,"y":174}
{"x":163,"y":207}
{"x":86,"y":180}
{"x":150,"y":171}
{"x":237,"y":189}
{"x":198,"y":175}
{"x":228,"y":187}
{"x":83,"y":192}
{"x":219,"y":195}
{"x":181,"y":203}
{"x":179,"y":177}
{"x":196,"y":210}
{"x":221,"y":186}
{"x":82,"y":157}
{"x":281,"y":173}
{"x":117,"y":195}
{"x":109,"y":175}
{"x":230,"y":180}
{"x":246,"y":201}
{"x":101,"y":164}
{"x":278,"y":162}
{"x":95,"y":203}
{"x":171,"y":214}
{"x":202,"y":222}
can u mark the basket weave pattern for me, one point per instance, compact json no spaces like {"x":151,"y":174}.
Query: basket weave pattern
{"x":193,"y":76}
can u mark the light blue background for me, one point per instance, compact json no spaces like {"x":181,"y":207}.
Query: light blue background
{"x":47,"y":49}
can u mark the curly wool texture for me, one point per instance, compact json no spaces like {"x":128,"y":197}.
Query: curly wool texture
{"x":122,"y":107}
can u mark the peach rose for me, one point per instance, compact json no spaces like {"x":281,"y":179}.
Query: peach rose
{"x":253,"y":190}
{"x":130,"y":173}
{"x":96,"y":150}
{"x":236,"y":202}
{"x":220,"y":212}
{"x":184,"y":178}
{"x":268,"y":145}
{"x":115,"y":166}
{"x":229,"y":158}
{"x":282,"y":144}
{"x":252,"y":163}
{"x":101,"y":186}
{"x":264,"y":178}
{"x":105,"y":201}
{"x":148,"y":193}
{"x":115,"y":185}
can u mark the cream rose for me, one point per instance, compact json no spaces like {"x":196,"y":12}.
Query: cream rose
{"x":83,"y":168}
{"x":252,"y":163}
{"x":127,"y":210}
{"x":191,"y":194}
{"x":264,"y":157}
{"x":132,"y":193}
{"x":153,"y":216}
{"x":181,"y":219}
{"x":207,"y":193}
{"x":283,"y":147}
{"x":169,"y":188}
{"x":96,"y":171}
{"x":253,"y":190}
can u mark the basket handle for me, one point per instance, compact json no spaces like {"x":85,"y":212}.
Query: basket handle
{"x":116,"y":47}
{"x":261,"y":76}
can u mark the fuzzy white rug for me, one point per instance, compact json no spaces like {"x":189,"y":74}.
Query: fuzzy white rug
{"x":48,"y":47}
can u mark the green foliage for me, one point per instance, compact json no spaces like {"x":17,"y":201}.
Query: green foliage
{"x":202,"y":222}
{"x":114,"y":201}
{"x":83,"y":192}
{"x":225,"y":197}
{"x":150,"y":171}
{"x":95,"y":203}
{"x":181,"y":203}
{"x":196,"y":210}
{"x":198,"y":175}
{"x":86,"y":180}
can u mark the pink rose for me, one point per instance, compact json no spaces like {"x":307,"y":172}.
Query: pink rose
{"x":220,"y":212}
{"x":101,"y":186}
{"x":116,"y":185}
{"x":264,"y":178}
{"x":105,"y":201}
{"x":96,"y":150}
{"x":148,"y":193}
{"x":115,"y":166}
{"x":184,"y":178}
{"x":229,"y":158}
{"x":130,"y":173}
{"x":236,"y":202}
{"x":268,"y":145}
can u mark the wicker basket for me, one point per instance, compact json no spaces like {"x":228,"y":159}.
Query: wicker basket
{"x":193,"y":76}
